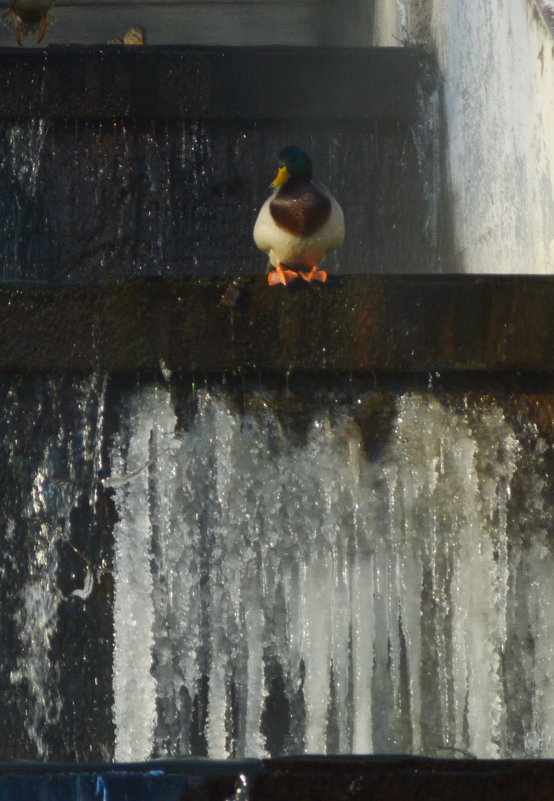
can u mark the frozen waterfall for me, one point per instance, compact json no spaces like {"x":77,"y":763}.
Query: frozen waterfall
{"x":279,"y":592}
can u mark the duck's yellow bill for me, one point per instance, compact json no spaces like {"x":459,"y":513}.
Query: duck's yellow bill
{"x":282,"y":177}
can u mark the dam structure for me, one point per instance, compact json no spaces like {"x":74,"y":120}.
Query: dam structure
{"x":255,"y":537}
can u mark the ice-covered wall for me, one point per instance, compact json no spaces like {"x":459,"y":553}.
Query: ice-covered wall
{"x":279,"y":594}
{"x":497,"y":62}
{"x":194,"y":571}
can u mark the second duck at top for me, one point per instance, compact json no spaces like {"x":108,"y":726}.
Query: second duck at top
{"x":299,"y":222}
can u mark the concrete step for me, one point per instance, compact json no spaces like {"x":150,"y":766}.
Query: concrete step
{"x":352,"y":324}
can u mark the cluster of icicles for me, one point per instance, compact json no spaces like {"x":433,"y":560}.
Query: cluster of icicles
{"x":274,"y":596}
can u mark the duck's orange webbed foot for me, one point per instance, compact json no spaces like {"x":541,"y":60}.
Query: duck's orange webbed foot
{"x":280,"y":276}
{"x":42,"y":29}
{"x":315,"y":274}
{"x":17,"y":28}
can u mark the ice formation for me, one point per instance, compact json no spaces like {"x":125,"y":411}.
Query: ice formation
{"x":285,"y":595}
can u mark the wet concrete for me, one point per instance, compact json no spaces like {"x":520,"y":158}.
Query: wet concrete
{"x":363,"y":324}
{"x":104,"y":82}
{"x":84,"y":201}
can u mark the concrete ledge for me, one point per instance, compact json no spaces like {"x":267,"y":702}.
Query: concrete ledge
{"x":214,"y":82}
{"x":403,"y":777}
{"x":362,"y":324}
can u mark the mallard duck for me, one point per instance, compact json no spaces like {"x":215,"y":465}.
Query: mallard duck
{"x":30,"y":15}
{"x":299,"y":222}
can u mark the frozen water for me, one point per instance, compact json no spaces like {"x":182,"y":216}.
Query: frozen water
{"x":371,"y":574}
{"x":280,"y":593}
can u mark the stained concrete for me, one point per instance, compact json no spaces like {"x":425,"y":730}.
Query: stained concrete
{"x":362,"y":324}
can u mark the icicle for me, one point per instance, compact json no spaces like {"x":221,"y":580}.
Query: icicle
{"x":134,"y":685}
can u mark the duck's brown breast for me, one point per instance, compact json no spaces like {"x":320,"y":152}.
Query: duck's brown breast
{"x":300,"y":208}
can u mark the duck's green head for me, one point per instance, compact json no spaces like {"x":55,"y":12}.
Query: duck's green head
{"x":293,"y":163}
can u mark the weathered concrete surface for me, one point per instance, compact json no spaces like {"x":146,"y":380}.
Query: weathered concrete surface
{"x":110,"y":82}
{"x":350,"y":325}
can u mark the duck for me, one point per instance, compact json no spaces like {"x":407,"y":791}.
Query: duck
{"x":299,"y":223}
{"x":30,"y":15}
{"x":134,"y":36}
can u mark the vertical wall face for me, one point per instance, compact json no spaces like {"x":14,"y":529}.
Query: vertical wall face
{"x":87,"y":200}
{"x":498,"y":63}
{"x":498,"y":67}
{"x":55,"y":614}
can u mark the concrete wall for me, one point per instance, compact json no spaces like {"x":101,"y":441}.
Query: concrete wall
{"x":497,"y":60}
